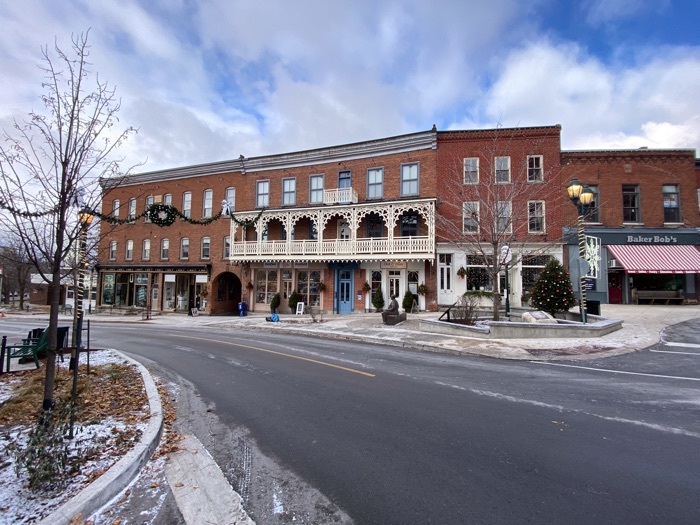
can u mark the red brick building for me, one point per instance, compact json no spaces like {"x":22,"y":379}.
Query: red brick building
{"x":335,"y":224}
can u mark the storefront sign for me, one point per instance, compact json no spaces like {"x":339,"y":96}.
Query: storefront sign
{"x":652,"y":239}
{"x":269,"y":265}
{"x":200,"y":278}
{"x":392,"y":265}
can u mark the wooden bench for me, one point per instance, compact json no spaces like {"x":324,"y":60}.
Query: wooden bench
{"x":392,"y":319}
{"x":659,"y":296}
{"x":29,"y":347}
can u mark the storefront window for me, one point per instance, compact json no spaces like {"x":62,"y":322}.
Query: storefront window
{"x":141,"y":290}
{"x":376,"y":280}
{"x":265,"y":286}
{"x":108,"y":288}
{"x":477,"y":274}
{"x":532,"y":269}
{"x":307,"y":287}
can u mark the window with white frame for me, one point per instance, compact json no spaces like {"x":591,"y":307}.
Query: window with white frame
{"x":115,"y":208}
{"x":502,"y":169}
{"x":535,"y":217}
{"x":112,"y":250}
{"x":471,"y":170}
{"x":184,"y":248}
{"x":409,"y":179}
{"x":206,"y":245}
{"x":344,"y":179}
{"x":262,"y":193}
{"x":227,"y":247}
{"x":375,"y":183}
{"x":168,"y":199}
{"x":149,"y":203}
{"x":289,"y":192}
{"x":316,"y":189}
{"x":478,"y":273}
{"x":533,"y":266}
{"x":230,"y":197}
{"x":132,"y":209}
{"x":504,"y":216}
{"x":164,"y":248}
{"x":207,"y":203}
{"x":470,"y":217}
{"x":187,"y":204}
{"x":630,"y":203}
{"x":129,"y":254}
{"x":146,"y":249}
{"x":593,"y":210}
{"x":534,"y":168}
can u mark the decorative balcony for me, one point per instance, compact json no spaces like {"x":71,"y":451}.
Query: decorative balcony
{"x":340,"y":196}
{"x":352,"y":248}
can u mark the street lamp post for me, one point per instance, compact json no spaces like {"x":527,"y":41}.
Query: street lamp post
{"x":85,"y":217}
{"x":581,"y":196}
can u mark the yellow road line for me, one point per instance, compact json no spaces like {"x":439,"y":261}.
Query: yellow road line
{"x":324,"y":363}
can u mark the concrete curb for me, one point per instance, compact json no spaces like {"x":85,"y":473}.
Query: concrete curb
{"x":118,"y":477}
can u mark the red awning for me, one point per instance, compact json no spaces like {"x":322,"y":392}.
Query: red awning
{"x":657,"y":259}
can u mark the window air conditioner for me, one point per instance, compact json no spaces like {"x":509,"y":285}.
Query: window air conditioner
{"x":612,"y":263}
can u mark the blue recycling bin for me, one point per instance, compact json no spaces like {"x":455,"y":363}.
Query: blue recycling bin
{"x":242,"y":309}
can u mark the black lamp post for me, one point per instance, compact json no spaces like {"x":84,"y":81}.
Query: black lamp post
{"x":85,"y":217}
{"x":581,"y":196}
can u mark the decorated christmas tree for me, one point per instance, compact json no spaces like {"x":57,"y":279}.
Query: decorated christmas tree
{"x":553,"y":292}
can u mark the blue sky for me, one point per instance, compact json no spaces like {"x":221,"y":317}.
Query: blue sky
{"x":209,"y":80}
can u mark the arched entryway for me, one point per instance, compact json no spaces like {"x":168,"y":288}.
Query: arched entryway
{"x":226,"y":294}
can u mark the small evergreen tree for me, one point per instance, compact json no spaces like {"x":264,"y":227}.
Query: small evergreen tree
{"x":293,"y":300}
{"x":378,"y":299}
{"x":275,"y":303}
{"x":553,"y":291}
{"x":407,"y":302}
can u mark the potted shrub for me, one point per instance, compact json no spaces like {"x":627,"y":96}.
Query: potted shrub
{"x":378,"y":299}
{"x":293,"y":300}
{"x":275,"y":303}
{"x":407,"y":302}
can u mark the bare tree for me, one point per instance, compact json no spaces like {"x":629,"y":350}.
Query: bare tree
{"x":488,"y":202}
{"x":51,"y":164}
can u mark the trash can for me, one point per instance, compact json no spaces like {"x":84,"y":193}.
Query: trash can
{"x":593,"y":307}
{"x":242,"y":308}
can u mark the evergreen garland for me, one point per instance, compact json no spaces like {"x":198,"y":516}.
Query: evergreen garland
{"x":553,"y":291}
{"x":165,"y":214}
{"x":25,"y":214}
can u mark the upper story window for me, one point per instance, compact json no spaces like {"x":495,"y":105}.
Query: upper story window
{"x":187,"y":204}
{"x":313,"y":232}
{"x":206,"y":245}
{"x":168,"y":199}
{"x":375,"y":183}
{"x":316,"y":189}
{"x":149,"y":203}
{"x":672,"y":203}
{"x":535,"y":217}
{"x":409,"y":224}
{"x":115,"y":208}
{"x":630,"y":203}
{"x":112,"y":250}
{"x":593,"y":211}
{"x":230,"y":198}
{"x":471,"y":170}
{"x":345,"y":179}
{"x":262,"y":193}
{"x":207,"y":200}
{"x":227,"y":247}
{"x":534,"y":168}
{"x":504,"y":217}
{"x":129,"y":254}
{"x":343,"y":230}
{"x":132,"y":209}
{"x":289,"y":192}
{"x":184,"y":248}
{"x":375,"y":225}
{"x":409,"y":179}
{"x":164,"y":248}
{"x":502,"y":169}
{"x":470,"y":217}
{"x":146,"y":249}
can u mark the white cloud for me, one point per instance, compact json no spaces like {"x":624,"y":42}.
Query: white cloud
{"x":652,"y":104}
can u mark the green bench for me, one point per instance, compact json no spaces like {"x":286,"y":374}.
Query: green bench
{"x":29,"y":347}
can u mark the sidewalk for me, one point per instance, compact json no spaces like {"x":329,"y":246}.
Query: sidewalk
{"x":642,"y":327}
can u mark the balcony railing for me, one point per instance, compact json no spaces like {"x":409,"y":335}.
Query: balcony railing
{"x":340,"y":196}
{"x":335,"y":249}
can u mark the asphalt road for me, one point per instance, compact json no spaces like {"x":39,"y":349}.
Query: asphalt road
{"x":392,"y":436}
